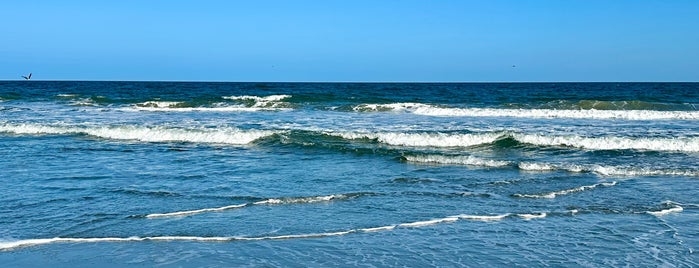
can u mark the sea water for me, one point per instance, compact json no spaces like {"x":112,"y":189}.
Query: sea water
{"x":113,"y":174}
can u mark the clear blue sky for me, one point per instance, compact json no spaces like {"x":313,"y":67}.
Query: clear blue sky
{"x":351,"y":40}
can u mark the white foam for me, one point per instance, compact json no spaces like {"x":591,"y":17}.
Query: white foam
{"x":550,"y":113}
{"x":268,"y":102}
{"x":159,"y":104}
{"x":146,"y":134}
{"x":681,"y":144}
{"x":567,"y":191}
{"x":258,"y":98}
{"x":209,"y":109}
{"x":425,"y":139}
{"x":483,"y":218}
{"x":633,"y":172}
{"x":676,"y":209}
{"x":531,"y":166}
{"x":378,"y":229}
{"x":389,"y":107}
{"x":433,"y":110}
{"x":192,"y":212}
{"x":271,"y":201}
{"x":10,"y":245}
{"x":607,"y":170}
{"x":456,"y":160}
{"x":429,"y":222}
{"x":532,"y":216}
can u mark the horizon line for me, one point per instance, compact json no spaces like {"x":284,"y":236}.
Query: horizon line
{"x":338,"y":82}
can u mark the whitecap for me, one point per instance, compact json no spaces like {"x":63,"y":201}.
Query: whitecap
{"x":424,"y":139}
{"x":567,"y":191}
{"x":146,"y":134}
{"x":458,"y":160}
{"x":675,"y":209}
{"x":681,"y":144}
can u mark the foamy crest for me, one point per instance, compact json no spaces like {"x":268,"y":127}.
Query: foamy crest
{"x":425,"y":139}
{"x":456,"y":160}
{"x":271,"y":201}
{"x":259,"y":99}
{"x":686,"y":144}
{"x":388,"y":107}
{"x":532,"y":216}
{"x":607,"y":170}
{"x":146,"y":134}
{"x":549,"y":113}
{"x":483,"y":218}
{"x":567,"y":191}
{"x":10,"y":245}
{"x":675,"y":209}
{"x":159,"y":104}
{"x":531,"y":166}
{"x":633,"y":172}
{"x":297,"y":200}
{"x":272,"y":101}
{"x":429,"y":222}
{"x":192,"y":212}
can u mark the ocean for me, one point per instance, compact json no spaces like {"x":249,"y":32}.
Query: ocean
{"x":198,"y":174}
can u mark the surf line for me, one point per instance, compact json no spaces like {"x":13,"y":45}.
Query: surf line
{"x":11,"y":245}
{"x":271,"y":201}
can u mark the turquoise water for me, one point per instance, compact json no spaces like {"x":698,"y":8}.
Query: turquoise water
{"x":348,"y":174}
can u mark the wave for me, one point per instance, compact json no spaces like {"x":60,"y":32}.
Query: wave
{"x":567,"y":191}
{"x":680,"y":144}
{"x":459,"y":160}
{"x":228,"y":135}
{"x":537,"y":166}
{"x":240,"y":104}
{"x":271,"y":201}
{"x":425,"y":139}
{"x":11,"y":245}
{"x":675,"y":209}
{"x":145,"y":134}
{"x":433,"y":110}
{"x":615,"y":105}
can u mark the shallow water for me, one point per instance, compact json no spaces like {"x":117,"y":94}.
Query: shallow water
{"x":314,"y":174}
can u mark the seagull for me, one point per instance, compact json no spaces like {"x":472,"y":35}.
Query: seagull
{"x":27,"y":77}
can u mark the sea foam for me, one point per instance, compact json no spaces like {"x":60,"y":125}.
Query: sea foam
{"x":458,"y":160}
{"x":11,"y":245}
{"x":567,"y":191}
{"x":270,"y":201}
{"x":433,"y":110}
{"x":438,"y":139}
{"x":425,"y":139}
{"x":146,"y":134}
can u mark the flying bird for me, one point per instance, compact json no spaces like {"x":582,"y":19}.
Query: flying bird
{"x":27,"y":77}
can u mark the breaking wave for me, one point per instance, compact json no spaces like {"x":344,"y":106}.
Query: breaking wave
{"x":567,"y":191}
{"x":671,"y":207}
{"x":537,"y":166}
{"x":433,"y":110}
{"x":11,"y":245}
{"x":145,"y":134}
{"x":680,"y":144}
{"x":240,"y":104}
{"x":425,"y":139}
{"x":271,"y":201}
{"x":458,"y":160}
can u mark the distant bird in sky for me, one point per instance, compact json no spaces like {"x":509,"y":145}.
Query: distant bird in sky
{"x":28,"y":77}
{"x":513,"y":66}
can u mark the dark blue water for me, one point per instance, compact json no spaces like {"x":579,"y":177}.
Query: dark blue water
{"x":114,"y":174}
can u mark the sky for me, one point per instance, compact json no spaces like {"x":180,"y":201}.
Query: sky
{"x":351,"y":41}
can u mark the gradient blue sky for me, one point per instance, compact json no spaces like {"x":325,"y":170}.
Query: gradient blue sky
{"x":266,"y":40}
